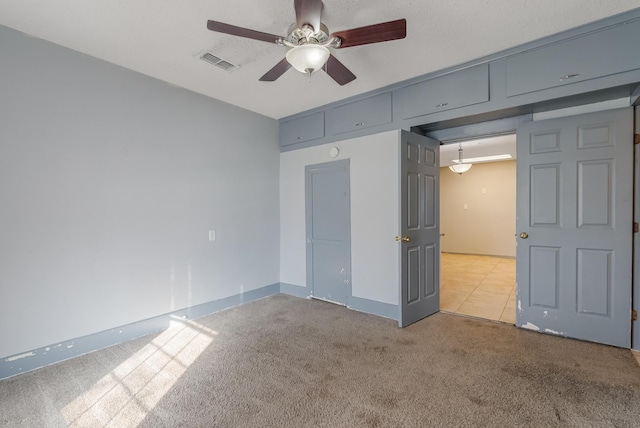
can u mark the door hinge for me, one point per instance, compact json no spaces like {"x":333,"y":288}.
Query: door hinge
{"x":636,"y":228}
{"x":636,"y":138}
{"x":634,"y":315}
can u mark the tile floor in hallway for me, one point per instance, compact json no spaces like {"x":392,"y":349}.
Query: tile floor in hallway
{"x":479,"y":286}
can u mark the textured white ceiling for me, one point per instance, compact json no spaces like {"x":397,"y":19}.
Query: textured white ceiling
{"x":162,"y":38}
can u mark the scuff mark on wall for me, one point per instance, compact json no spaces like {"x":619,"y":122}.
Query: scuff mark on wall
{"x":558,"y":333}
{"x":530,"y":326}
{"x":520,"y":306}
{"x":19,"y":357}
{"x":546,"y":313}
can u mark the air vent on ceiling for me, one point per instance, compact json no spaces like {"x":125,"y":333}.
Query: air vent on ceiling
{"x":218,"y":62}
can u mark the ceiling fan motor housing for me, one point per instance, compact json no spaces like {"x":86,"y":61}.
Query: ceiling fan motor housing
{"x":297,"y":36}
{"x":304,"y":35}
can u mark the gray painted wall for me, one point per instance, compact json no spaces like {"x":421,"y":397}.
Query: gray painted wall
{"x":109,"y":182}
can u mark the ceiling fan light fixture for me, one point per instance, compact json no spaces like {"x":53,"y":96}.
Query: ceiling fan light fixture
{"x":308,"y":58}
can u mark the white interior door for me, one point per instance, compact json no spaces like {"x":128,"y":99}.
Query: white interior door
{"x":575,"y":226}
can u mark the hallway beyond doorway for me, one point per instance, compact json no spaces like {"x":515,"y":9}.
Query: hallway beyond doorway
{"x":479,"y":286}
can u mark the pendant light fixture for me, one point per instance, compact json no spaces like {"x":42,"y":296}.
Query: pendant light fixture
{"x":460,"y":167}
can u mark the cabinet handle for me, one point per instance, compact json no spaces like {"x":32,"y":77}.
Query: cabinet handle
{"x":442,"y":105}
{"x":300,"y":137}
{"x":359,"y":123}
{"x":569,"y":76}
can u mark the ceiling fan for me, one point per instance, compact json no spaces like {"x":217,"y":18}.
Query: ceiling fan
{"x":310,"y":42}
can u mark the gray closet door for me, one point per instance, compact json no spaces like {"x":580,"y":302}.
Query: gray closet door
{"x":575,"y":225}
{"x":420,"y":227}
{"x":328,"y":231}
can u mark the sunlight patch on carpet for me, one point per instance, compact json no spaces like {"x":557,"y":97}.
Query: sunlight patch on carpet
{"x":127,"y":394}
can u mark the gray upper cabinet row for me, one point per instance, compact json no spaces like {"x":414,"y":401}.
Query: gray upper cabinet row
{"x":580,"y":63}
{"x":365,"y":113}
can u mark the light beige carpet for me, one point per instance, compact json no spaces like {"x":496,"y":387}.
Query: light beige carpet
{"x":288,"y":362}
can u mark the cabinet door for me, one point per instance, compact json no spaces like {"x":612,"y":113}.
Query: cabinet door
{"x":371,"y":111}
{"x":461,"y":88}
{"x":605,"y":52}
{"x":302,"y":129}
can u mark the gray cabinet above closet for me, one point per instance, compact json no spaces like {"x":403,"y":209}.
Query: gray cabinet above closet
{"x":598,"y":54}
{"x":461,"y":88}
{"x":301,"y":129}
{"x":361,"y":114}
{"x":592,"y":63}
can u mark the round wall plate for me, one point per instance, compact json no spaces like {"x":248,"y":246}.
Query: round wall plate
{"x":334,"y":152}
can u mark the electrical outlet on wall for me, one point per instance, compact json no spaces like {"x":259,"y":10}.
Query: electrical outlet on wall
{"x":212,"y":235}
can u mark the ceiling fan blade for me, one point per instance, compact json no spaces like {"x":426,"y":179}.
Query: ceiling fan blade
{"x":308,"y":12}
{"x":338,"y":71}
{"x":276,"y":71}
{"x":221,"y":27}
{"x":383,"y":32}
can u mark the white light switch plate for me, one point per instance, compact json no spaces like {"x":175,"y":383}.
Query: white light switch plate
{"x":212,"y":235}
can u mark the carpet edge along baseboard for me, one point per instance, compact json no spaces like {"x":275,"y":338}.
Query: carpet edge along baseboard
{"x":37,"y":358}
{"x":47,"y":355}
{"x":360,"y":304}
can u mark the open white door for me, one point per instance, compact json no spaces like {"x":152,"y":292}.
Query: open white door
{"x":419,"y":237}
{"x":575,"y":226}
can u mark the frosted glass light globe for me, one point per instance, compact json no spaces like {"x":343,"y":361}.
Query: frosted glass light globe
{"x":308,"y":58}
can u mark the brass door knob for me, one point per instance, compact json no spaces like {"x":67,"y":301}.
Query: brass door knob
{"x":524,"y":235}
{"x":403,"y":239}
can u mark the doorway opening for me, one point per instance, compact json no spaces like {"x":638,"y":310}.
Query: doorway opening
{"x":477,"y":227}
